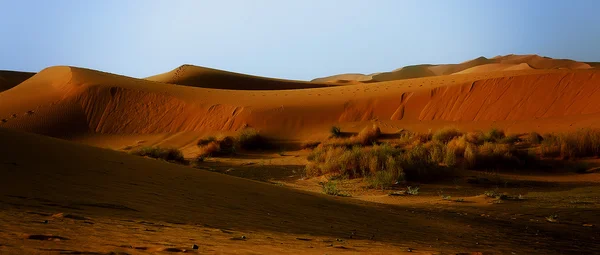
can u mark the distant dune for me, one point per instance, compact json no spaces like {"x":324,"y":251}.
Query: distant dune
{"x":478,"y":65}
{"x":9,"y":79}
{"x":196,"y":76}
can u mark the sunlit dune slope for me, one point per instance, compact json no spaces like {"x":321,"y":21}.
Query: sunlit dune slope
{"x":9,"y":79}
{"x":196,"y":76}
{"x":68,"y":102}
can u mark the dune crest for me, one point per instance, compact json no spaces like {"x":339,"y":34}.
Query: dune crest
{"x":477,"y":65}
{"x":196,"y":76}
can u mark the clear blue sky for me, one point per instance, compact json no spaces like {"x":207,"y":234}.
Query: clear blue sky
{"x":295,"y":39}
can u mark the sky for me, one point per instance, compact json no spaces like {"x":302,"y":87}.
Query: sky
{"x":292,"y":39}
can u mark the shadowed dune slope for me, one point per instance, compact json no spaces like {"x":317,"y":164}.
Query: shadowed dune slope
{"x":196,"y":76}
{"x":50,"y":175}
{"x":9,"y":79}
{"x":67,"y":101}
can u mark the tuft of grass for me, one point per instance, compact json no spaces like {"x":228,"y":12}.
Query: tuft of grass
{"x":167,"y":154}
{"x":251,"y":139}
{"x":386,"y":178}
{"x":330,"y":188}
{"x":206,"y":141}
{"x":552,"y":218}
{"x":367,"y":136}
{"x":309,"y":145}
{"x":534,"y":138}
{"x":509,"y":139}
{"x":577,"y":144}
{"x":213,"y":146}
{"x":450,"y":157}
{"x":412,"y":190}
{"x":446,"y":134}
{"x":335,"y":131}
{"x":493,"y":135}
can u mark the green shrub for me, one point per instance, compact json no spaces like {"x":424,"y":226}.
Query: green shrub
{"x":167,"y":154}
{"x":412,"y":190}
{"x":446,"y":134}
{"x":330,"y":188}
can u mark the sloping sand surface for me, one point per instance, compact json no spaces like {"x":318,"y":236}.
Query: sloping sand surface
{"x":9,"y":79}
{"x":69,"y":102}
{"x":495,"y":68}
{"x":88,"y":199}
{"x":196,"y":76}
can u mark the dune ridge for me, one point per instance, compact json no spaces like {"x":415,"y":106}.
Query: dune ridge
{"x":197,"y":76}
{"x":480,"y":64}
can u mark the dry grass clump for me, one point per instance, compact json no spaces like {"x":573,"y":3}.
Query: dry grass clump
{"x":446,"y":134}
{"x":335,"y":131}
{"x":494,"y":135}
{"x":251,"y":139}
{"x":581,"y":143}
{"x":367,"y":136}
{"x":498,"y":156}
{"x":167,"y":154}
{"x":309,"y":145}
{"x":383,"y":165}
{"x":534,"y":138}
{"x":217,"y":146}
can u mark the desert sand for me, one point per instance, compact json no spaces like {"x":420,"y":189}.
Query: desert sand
{"x":68,"y":185}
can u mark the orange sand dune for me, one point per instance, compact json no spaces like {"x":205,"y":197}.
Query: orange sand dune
{"x":344,"y":77}
{"x":495,"y":68}
{"x":196,"y":76}
{"x":539,"y":62}
{"x":61,"y":197}
{"x":480,"y":64}
{"x":9,"y":79}
{"x":73,"y":102}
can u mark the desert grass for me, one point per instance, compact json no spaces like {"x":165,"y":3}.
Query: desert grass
{"x":251,"y":139}
{"x":571,"y":145}
{"x":335,"y":131}
{"x":217,"y":146}
{"x":446,"y":134}
{"x":167,"y":154}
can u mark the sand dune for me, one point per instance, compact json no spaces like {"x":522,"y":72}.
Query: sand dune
{"x":495,"y":68}
{"x":480,"y":64}
{"x":196,"y":76}
{"x":69,"y":102}
{"x":9,"y":79}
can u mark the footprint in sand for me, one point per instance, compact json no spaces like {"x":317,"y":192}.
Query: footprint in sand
{"x":13,"y":116}
{"x":4,"y":120}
